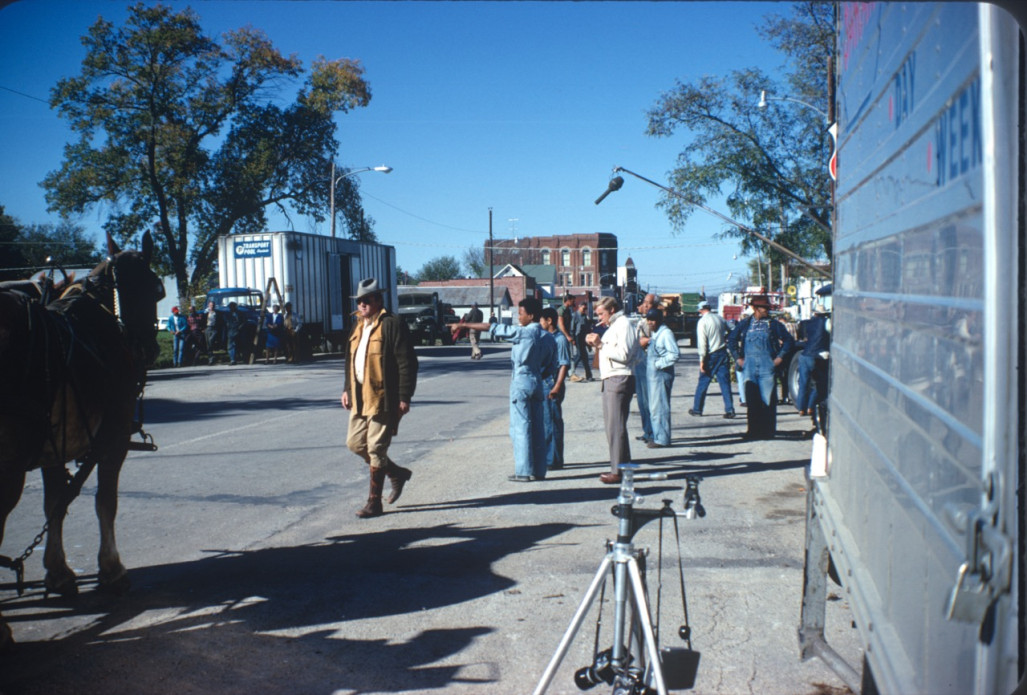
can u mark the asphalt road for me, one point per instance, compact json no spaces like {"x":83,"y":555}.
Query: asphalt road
{"x":251,"y":574}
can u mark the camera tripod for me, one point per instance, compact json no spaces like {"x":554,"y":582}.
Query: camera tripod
{"x":633,"y":665}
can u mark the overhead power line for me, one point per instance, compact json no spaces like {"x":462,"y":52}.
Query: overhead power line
{"x":23,"y":94}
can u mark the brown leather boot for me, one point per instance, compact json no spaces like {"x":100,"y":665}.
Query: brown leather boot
{"x":398,"y":476}
{"x":373,"y":507}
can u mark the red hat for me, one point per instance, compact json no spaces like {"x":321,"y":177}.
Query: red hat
{"x":174,"y":310}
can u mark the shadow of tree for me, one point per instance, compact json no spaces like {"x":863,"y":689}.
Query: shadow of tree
{"x":274,"y":619}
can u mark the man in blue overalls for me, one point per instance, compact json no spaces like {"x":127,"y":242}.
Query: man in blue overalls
{"x":758,"y":345}
{"x":534,"y":351}
{"x":554,"y":388}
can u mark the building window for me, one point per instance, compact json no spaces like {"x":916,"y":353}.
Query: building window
{"x":565,"y":257}
{"x":586,"y":257}
{"x":588,"y":279}
{"x":545,"y":257}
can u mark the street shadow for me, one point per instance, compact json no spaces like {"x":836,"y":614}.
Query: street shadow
{"x":163,"y":410}
{"x":543,"y":493}
{"x":230,"y":621}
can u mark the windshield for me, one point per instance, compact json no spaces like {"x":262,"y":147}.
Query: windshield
{"x":414,"y":299}
{"x":242,"y":299}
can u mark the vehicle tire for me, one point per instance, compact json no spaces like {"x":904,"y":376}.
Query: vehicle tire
{"x":792,"y":378}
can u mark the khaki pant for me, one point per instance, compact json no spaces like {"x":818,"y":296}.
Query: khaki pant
{"x":369,"y":438}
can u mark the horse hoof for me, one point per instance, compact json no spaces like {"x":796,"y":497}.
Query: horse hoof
{"x":116,"y":587}
{"x":63,"y":585}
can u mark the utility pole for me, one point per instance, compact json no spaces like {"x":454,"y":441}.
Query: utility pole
{"x":492,"y":282}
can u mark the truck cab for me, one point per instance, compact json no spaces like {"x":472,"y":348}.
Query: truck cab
{"x":249,"y":303}
{"x":423,"y":313}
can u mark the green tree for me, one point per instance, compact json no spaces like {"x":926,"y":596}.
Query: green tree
{"x":12,"y":260}
{"x":177,"y":133}
{"x":441,"y":268}
{"x":771,"y":163}
{"x":475,"y":261}
{"x":66,"y":243}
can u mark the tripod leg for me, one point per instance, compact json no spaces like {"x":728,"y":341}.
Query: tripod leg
{"x":579,"y":617}
{"x":642,"y":611}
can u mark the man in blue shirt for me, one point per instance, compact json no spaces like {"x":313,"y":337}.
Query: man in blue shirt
{"x":813,"y":361}
{"x":178,"y":326}
{"x":553,"y":386}
{"x":534,"y":350}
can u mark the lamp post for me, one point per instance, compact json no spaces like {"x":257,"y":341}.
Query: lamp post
{"x":617,"y":181}
{"x":336,"y":179}
{"x":764,"y":99}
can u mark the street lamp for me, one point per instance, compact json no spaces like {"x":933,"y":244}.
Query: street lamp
{"x":764,"y":99}
{"x":335,"y":181}
{"x":617,"y":181}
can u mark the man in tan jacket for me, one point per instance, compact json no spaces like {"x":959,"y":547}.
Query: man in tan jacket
{"x":381,"y":375}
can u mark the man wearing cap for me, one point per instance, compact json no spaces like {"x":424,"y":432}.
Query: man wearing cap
{"x":660,"y":357}
{"x":813,"y":361}
{"x":381,"y":375}
{"x":758,"y":345}
{"x":711,"y":332}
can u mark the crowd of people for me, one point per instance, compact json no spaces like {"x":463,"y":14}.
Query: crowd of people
{"x":197,"y":335}
{"x":635,"y":356}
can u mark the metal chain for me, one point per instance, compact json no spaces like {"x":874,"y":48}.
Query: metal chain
{"x":18,"y":563}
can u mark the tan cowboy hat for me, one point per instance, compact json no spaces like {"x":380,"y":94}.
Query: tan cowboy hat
{"x":760,"y":300}
{"x":368,"y":286}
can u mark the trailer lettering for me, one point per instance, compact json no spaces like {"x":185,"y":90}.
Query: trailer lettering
{"x":902,"y":90}
{"x":958,"y":135}
{"x":257,"y":248}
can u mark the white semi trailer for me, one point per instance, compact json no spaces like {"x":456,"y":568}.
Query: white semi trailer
{"x":918,"y":505}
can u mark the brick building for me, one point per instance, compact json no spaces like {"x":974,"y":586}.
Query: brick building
{"x":583,"y":262}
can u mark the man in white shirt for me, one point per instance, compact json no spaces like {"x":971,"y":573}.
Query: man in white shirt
{"x":618,"y":352}
{"x":714,"y":361}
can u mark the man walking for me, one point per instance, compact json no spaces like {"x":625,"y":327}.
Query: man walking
{"x":711,"y":333}
{"x":474,"y":316}
{"x":758,"y":345}
{"x":554,"y":388}
{"x":381,"y":375}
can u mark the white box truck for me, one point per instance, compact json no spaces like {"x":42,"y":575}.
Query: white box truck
{"x":917,"y":507}
{"x":318,"y":274}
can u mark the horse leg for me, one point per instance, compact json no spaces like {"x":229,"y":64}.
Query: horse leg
{"x":113,"y":576}
{"x":59,"y":577}
{"x":11,"y":485}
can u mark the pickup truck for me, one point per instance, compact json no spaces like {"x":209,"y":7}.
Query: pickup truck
{"x":250,"y":303}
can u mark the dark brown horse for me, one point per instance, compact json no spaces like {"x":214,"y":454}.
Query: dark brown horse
{"x":72,"y":368}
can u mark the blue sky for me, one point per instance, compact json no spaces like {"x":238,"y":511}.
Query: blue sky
{"x":524,"y":107}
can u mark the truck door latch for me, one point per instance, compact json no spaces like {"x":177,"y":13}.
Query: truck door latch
{"x":987,"y":571}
